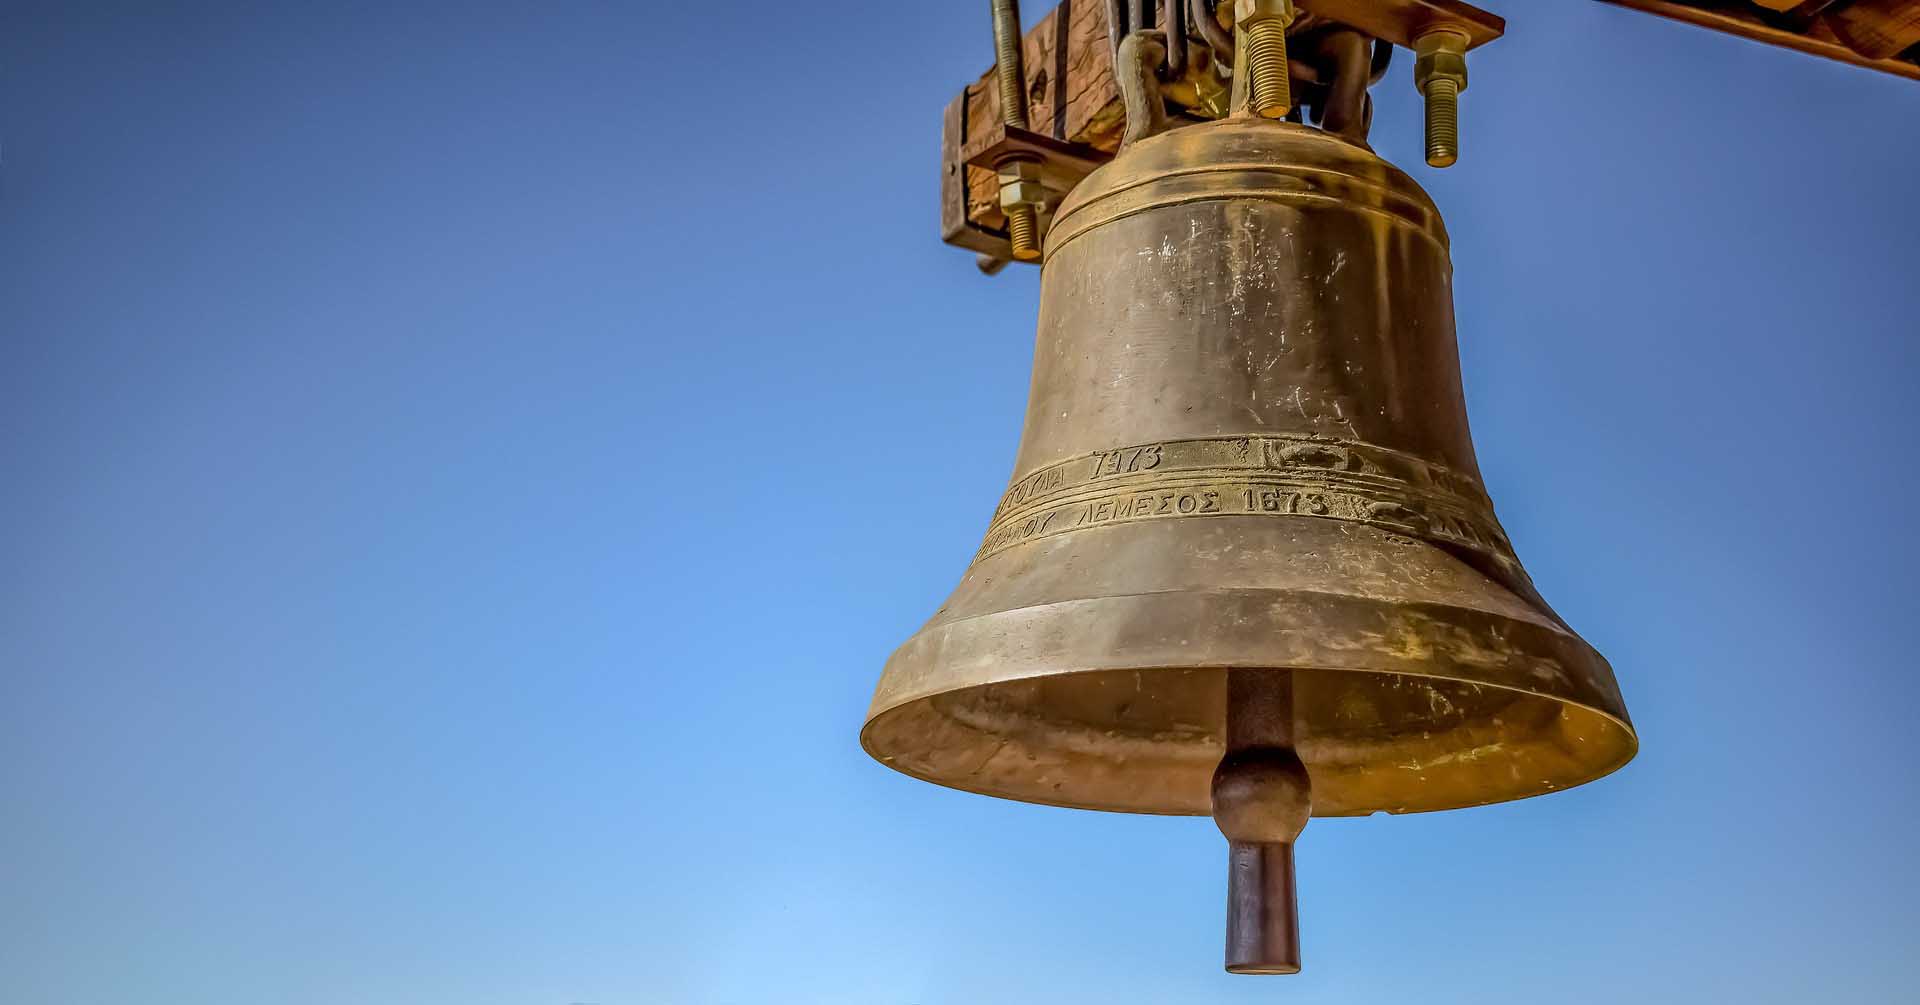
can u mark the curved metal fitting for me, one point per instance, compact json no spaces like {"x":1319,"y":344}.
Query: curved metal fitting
{"x":1344,"y":58}
{"x":1201,"y":14}
{"x":1135,"y":72}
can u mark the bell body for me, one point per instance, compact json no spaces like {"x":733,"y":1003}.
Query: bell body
{"x":1246,"y":448}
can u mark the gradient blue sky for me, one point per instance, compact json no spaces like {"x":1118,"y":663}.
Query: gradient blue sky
{"x":465,"y":466}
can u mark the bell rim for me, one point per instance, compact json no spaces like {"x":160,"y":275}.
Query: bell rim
{"x":1477,"y":647}
{"x":1627,"y":734}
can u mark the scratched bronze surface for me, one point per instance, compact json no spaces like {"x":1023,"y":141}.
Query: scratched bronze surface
{"x":1246,"y":448}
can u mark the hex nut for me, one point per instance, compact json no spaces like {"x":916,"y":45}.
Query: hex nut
{"x":1021,"y":193}
{"x":1248,"y":11}
{"x":1440,"y":55}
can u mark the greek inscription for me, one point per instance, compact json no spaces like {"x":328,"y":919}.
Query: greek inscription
{"x":1345,"y":481}
{"x":1032,"y":486}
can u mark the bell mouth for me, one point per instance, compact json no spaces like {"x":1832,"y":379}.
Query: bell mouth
{"x":1147,"y":740}
{"x":1090,"y":670}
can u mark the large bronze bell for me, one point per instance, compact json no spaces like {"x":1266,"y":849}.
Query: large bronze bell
{"x":1246,"y":533}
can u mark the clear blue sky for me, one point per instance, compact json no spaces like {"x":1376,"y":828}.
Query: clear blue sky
{"x":465,"y":466}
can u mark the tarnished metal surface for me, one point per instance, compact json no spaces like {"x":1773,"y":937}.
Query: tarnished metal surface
{"x":1246,"y":447}
{"x":1075,"y":80}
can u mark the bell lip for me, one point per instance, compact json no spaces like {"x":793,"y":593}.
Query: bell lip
{"x":1499,"y":642}
{"x":1629,"y":747}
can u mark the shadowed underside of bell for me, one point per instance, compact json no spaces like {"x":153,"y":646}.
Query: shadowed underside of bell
{"x":1245,"y":565}
{"x":1090,"y":671}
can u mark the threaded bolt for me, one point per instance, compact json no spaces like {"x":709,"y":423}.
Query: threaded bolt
{"x":1020,"y":188}
{"x":1006,"y":67}
{"x":1020,"y":233}
{"x":1443,"y":123}
{"x":1023,"y":194}
{"x":1262,"y":25}
{"x":1440,"y":72}
{"x":1267,"y":61}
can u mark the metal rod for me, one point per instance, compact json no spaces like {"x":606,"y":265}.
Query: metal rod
{"x":1173,"y":22}
{"x":1263,"y":928}
{"x":1261,"y":802}
{"x":1200,"y":13}
{"x":1342,"y":104}
{"x":1023,"y":224}
{"x":1006,"y":47}
{"x":1382,"y":59}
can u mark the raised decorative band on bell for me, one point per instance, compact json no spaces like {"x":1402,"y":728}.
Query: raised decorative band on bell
{"x":1251,"y":475}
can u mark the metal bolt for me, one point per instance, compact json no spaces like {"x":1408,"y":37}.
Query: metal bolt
{"x":1440,"y":72}
{"x":1022,"y":193}
{"x":1026,"y":247}
{"x":1019,"y":179}
{"x":1006,"y":66}
{"x":1262,"y":24}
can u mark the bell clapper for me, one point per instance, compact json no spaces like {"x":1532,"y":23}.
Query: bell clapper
{"x":1261,"y":802}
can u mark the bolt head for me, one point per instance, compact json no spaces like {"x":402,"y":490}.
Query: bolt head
{"x":1249,"y":11}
